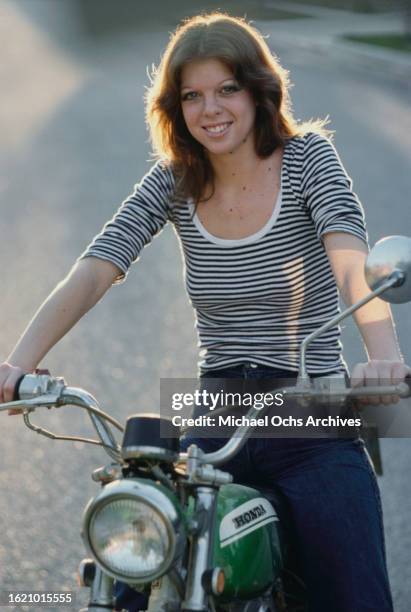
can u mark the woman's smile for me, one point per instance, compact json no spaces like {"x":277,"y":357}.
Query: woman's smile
{"x":219,"y":129}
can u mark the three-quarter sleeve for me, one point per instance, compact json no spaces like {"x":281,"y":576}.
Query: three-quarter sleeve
{"x":327,"y":190}
{"x":140,"y":217}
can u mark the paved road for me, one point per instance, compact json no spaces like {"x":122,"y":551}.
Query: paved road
{"x":73,"y":145}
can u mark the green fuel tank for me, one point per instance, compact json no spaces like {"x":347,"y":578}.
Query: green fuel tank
{"x":246,"y":542}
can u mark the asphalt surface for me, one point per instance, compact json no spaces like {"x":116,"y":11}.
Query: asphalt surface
{"x":73,"y":144}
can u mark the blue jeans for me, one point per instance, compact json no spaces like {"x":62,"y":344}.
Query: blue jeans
{"x":333,"y":505}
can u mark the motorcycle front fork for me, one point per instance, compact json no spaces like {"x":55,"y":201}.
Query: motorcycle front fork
{"x":101,"y":592}
{"x":164,"y":597}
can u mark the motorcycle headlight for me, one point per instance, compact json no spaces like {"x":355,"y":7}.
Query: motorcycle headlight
{"x":134,"y":530}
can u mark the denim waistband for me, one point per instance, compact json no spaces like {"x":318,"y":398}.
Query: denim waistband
{"x":250,"y":370}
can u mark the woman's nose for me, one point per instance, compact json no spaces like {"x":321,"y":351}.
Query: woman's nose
{"x":211,"y":106}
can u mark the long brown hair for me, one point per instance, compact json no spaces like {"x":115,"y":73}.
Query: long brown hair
{"x":244,"y":51}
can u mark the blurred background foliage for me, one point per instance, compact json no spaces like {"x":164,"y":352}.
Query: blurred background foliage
{"x":100,"y":17}
{"x":358,"y":6}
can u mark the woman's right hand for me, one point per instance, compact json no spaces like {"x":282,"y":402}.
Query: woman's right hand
{"x":9,"y":375}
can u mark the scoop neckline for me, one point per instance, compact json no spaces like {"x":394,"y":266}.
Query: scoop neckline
{"x":239,"y":241}
{"x":230,"y":242}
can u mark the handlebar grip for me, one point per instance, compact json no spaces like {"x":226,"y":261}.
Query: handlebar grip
{"x":16,"y":395}
{"x":33,"y":375}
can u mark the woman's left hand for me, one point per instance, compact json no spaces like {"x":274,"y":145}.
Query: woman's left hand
{"x":379,"y":372}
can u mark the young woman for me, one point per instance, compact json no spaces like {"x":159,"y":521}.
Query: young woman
{"x":270,"y":231}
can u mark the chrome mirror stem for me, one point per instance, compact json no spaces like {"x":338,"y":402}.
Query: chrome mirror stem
{"x":303,"y":380}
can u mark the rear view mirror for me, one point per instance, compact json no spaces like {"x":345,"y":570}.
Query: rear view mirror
{"x":387,"y":256}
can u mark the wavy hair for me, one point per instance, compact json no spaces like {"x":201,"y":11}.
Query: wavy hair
{"x":244,"y":51}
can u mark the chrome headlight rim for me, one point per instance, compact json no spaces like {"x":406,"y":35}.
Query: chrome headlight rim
{"x":152,"y":496}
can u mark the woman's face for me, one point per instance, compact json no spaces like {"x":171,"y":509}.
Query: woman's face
{"x":218,"y":113}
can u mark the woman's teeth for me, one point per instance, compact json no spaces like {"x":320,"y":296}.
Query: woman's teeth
{"x":217,"y":128}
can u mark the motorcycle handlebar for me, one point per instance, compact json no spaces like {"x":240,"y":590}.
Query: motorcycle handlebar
{"x":42,"y":388}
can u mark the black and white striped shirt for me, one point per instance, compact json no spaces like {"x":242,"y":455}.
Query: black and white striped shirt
{"x":258,"y":297}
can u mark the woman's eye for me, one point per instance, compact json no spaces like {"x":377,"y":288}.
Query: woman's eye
{"x":226,"y":90}
{"x":229,"y":89}
{"x":190,"y":95}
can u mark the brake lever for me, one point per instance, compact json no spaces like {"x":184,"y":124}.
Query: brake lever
{"x":329,"y":389}
{"x":49,"y":401}
{"x":402,"y":389}
{"x":52,"y":436}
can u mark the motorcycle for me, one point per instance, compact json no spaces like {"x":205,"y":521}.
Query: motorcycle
{"x":171,"y":524}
